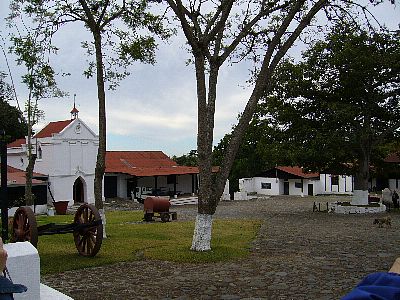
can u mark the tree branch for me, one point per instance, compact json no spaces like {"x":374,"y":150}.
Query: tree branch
{"x":299,"y":29}
{"x":91,"y":22}
{"x":226,"y":10}
{"x":180,"y":11}
{"x":103,"y":12}
{"x":113,"y":17}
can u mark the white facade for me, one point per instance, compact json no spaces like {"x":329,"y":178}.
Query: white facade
{"x":326,"y":184}
{"x":17,"y":158}
{"x":68,"y":158}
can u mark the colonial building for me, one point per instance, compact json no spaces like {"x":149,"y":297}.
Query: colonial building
{"x":129,"y":171}
{"x":66,"y":156}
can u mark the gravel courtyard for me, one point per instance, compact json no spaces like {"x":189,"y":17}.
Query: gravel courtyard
{"x":298,"y":254}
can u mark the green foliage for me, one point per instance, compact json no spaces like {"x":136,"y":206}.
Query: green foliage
{"x":339,"y":105}
{"x":343,"y":101}
{"x":11,"y":118}
{"x":190,"y":159}
{"x":128,"y":239}
{"x":248,"y":161}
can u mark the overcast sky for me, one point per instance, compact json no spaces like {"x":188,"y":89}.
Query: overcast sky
{"x":155,"y":108}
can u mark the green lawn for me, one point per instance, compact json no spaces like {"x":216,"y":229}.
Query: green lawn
{"x":128,"y":241}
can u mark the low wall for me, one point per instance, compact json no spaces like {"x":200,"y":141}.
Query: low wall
{"x":339,"y":208}
{"x":23,"y":264}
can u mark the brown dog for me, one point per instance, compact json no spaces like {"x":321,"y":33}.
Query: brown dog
{"x":385,"y":220}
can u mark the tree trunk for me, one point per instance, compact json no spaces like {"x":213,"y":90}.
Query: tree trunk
{"x":360,"y":194}
{"x":202,"y":233}
{"x":211,"y":187}
{"x":362,"y":176}
{"x":29,"y":197}
{"x":207,"y":202}
{"x":101,"y":152}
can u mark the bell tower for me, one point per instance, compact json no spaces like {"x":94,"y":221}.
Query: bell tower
{"x":74,"y":111}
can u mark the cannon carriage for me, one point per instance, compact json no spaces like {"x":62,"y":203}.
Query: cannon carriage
{"x":87,"y":228}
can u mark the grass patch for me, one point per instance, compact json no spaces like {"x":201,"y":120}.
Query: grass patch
{"x":129,"y":241}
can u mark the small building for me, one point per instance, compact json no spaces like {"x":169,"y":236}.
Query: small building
{"x":283,"y":180}
{"x":127,"y":170}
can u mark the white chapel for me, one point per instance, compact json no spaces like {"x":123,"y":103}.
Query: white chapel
{"x":66,"y":156}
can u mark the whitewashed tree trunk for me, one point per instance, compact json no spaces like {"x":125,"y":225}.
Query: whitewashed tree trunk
{"x":202,"y":233}
{"x":103,"y":220}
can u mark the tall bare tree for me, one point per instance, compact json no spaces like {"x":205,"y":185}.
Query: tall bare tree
{"x":219,"y":32}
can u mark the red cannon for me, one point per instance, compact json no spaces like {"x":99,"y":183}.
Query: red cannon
{"x":160,"y":206}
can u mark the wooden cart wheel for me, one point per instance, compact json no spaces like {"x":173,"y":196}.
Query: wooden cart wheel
{"x":24,"y":226}
{"x":88,"y":239}
{"x":165,"y":217}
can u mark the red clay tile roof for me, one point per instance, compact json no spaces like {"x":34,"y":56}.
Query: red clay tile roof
{"x":12,"y":169}
{"x":15,"y":170}
{"x":144,"y":163}
{"x":392,"y":158}
{"x":297,"y":171}
{"x":16,"y":143}
{"x":17,"y":177}
{"x":51,"y":128}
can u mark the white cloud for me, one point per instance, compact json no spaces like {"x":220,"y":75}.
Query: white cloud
{"x":156,"y":107}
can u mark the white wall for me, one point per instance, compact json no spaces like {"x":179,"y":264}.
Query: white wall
{"x":321,"y":186}
{"x":265,"y":186}
{"x":67,"y":156}
{"x":345,"y":184}
{"x":62,"y":188}
{"x":297,"y":191}
{"x":14,"y":160}
{"x":246,"y":184}
{"x":23,"y":264}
